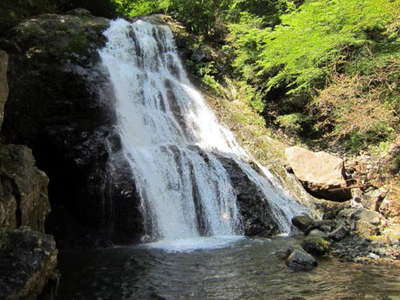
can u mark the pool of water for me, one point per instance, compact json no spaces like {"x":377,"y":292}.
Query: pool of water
{"x":243,"y":269}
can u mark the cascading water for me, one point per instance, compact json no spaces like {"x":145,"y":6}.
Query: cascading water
{"x":170,"y":138}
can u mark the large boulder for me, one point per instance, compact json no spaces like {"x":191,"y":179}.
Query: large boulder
{"x":319,"y":172}
{"x":317,"y":246}
{"x":28,"y":261}
{"x":60,"y":105}
{"x":300,"y":260}
{"x":23,"y":189}
{"x":304,"y":223}
{"x":3,"y":82}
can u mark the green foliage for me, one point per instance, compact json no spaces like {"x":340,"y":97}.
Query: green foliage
{"x":293,"y":123}
{"x":134,"y":8}
{"x":309,"y":44}
{"x":325,"y":70}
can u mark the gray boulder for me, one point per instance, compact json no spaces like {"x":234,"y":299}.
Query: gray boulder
{"x":320,"y":173}
{"x":316,"y":245}
{"x":27,"y":263}
{"x":304,"y":223}
{"x":299,"y":260}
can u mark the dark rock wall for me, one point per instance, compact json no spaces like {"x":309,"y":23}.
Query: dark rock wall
{"x":254,"y":208}
{"x":27,"y":262}
{"x":64,"y":113}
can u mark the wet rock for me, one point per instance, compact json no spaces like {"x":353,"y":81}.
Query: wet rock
{"x":320,"y":173}
{"x":304,"y":223}
{"x":316,"y":245}
{"x":299,"y":260}
{"x":3,"y":83}
{"x":23,"y":189}
{"x":27,"y":262}
{"x":283,"y":254}
{"x":254,"y":208}
{"x":368,"y":216}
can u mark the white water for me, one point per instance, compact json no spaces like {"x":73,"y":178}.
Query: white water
{"x":169,"y":136}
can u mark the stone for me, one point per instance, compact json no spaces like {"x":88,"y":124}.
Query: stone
{"x":317,"y":246}
{"x":390,"y":205}
{"x":304,"y":223}
{"x":3,"y":83}
{"x":339,"y":233}
{"x":254,"y":208}
{"x":372,"y":200}
{"x":369,"y":216}
{"x":320,"y":173}
{"x":317,"y":233}
{"x":373,"y":256}
{"x":325,"y":225}
{"x":299,"y":260}
{"x":28,"y":262}
{"x":23,"y":189}
{"x":367,"y":222}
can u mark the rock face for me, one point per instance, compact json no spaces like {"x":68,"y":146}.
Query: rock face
{"x":255,"y":210}
{"x":27,"y":258}
{"x":3,"y":82}
{"x":27,"y":261}
{"x":60,"y":106}
{"x":320,"y":173}
{"x":23,"y":189}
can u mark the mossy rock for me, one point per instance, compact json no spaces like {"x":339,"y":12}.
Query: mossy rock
{"x":317,"y":246}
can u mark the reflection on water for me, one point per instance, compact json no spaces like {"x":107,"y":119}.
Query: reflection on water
{"x":247,"y":269}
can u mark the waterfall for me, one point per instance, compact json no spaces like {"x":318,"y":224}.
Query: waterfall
{"x":171,"y":139}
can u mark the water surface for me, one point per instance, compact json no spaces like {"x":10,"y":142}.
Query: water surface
{"x":245,"y":269}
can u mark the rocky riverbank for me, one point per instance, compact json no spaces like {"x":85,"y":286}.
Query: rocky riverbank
{"x":363,"y":228}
